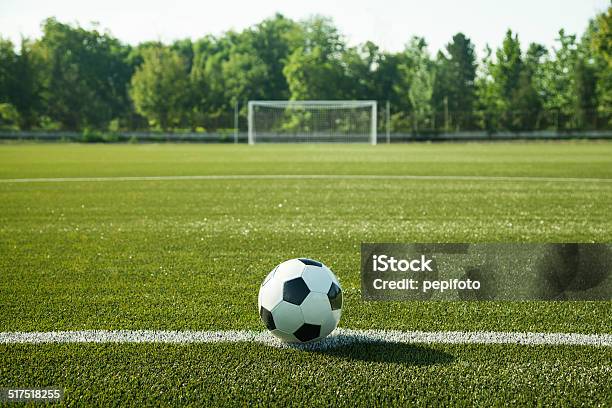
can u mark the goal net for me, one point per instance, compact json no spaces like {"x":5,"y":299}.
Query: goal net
{"x":312,"y":121}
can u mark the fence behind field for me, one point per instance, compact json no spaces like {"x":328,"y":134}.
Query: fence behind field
{"x":111,"y":137}
{"x":392,"y":127}
{"x":241,"y":137}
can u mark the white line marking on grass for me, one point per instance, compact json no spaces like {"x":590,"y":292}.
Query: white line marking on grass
{"x":340,"y":337}
{"x":307,"y":177}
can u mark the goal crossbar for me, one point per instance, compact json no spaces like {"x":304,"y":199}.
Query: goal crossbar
{"x":347,"y":104}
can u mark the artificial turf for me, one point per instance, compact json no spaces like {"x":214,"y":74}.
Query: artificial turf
{"x":190,"y":254}
{"x":358,"y":375}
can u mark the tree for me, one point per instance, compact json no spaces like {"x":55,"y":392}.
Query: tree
{"x":9,"y":116}
{"x":236,"y":67}
{"x":507,"y":69}
{"x":421,"y":78}
{"x":585,"y":86}
{"x":80,"y":65}
{"x":272,"y":41}
{"x":601,"y":35}
{"x":385,"y":76}
{"x":315,"y":70}
{"x":360,"y":66}
{"x":245,"y":77}
{"x":557,"y":82}
{"x":510,"y":89}
{"x":526,"y":99}
{"x":598,"y":42}
{"x":506,"y":74}
{"x":415,"y":83}
{"x":159,"y":87}
{"x":28,"y":88}
{"x":209,"y":103}
{"x":455,"y":81}
{"x":185,"y":49}
{"x":20,"y":84}
{"x":488,"y":102}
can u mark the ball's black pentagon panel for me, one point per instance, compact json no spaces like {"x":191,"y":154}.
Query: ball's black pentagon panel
{"x":335,"y":296}
{"x":307,"y":332}
{"x":267,"y":318}
{"x":295,"y":291}
{"x":312,"y":262}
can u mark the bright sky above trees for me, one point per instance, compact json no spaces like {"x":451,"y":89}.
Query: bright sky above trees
{"x":389,"y":23}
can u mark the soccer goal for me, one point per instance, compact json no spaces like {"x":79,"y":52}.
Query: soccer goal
{"x":312,"y":121}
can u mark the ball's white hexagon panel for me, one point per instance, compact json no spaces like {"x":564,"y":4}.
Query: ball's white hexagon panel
{"x":318,"y":279}
{"x":268,"y":277}
{"x":271,"y":294}
{"x":289,"y":270}
{"x":259,"y":298}
{"x":287,"y":317}
{"x":328,"y":325}
{"x":332,"y":275}
{"x":337,"y":314}
{"x":316,"y":308}
{"x":286,"y":337}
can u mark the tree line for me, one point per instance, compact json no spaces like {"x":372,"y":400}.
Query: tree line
{"x":74,"y":78}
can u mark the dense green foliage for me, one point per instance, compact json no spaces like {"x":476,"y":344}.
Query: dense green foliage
{"x":191,"y":254}
{"x":159,"y":87}
{"x":77,"y":79}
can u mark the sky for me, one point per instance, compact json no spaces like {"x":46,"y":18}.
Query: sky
{"x":390,"y":24}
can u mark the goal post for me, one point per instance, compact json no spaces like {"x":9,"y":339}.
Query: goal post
{"x":312,"y":121}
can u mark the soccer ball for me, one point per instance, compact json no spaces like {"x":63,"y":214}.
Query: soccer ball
{"x":300,"y":301}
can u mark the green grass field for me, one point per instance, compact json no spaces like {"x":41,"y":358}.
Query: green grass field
{"x":190,"y":254}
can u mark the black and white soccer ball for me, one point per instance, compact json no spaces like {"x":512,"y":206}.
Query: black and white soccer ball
{"x":300,"y":301}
